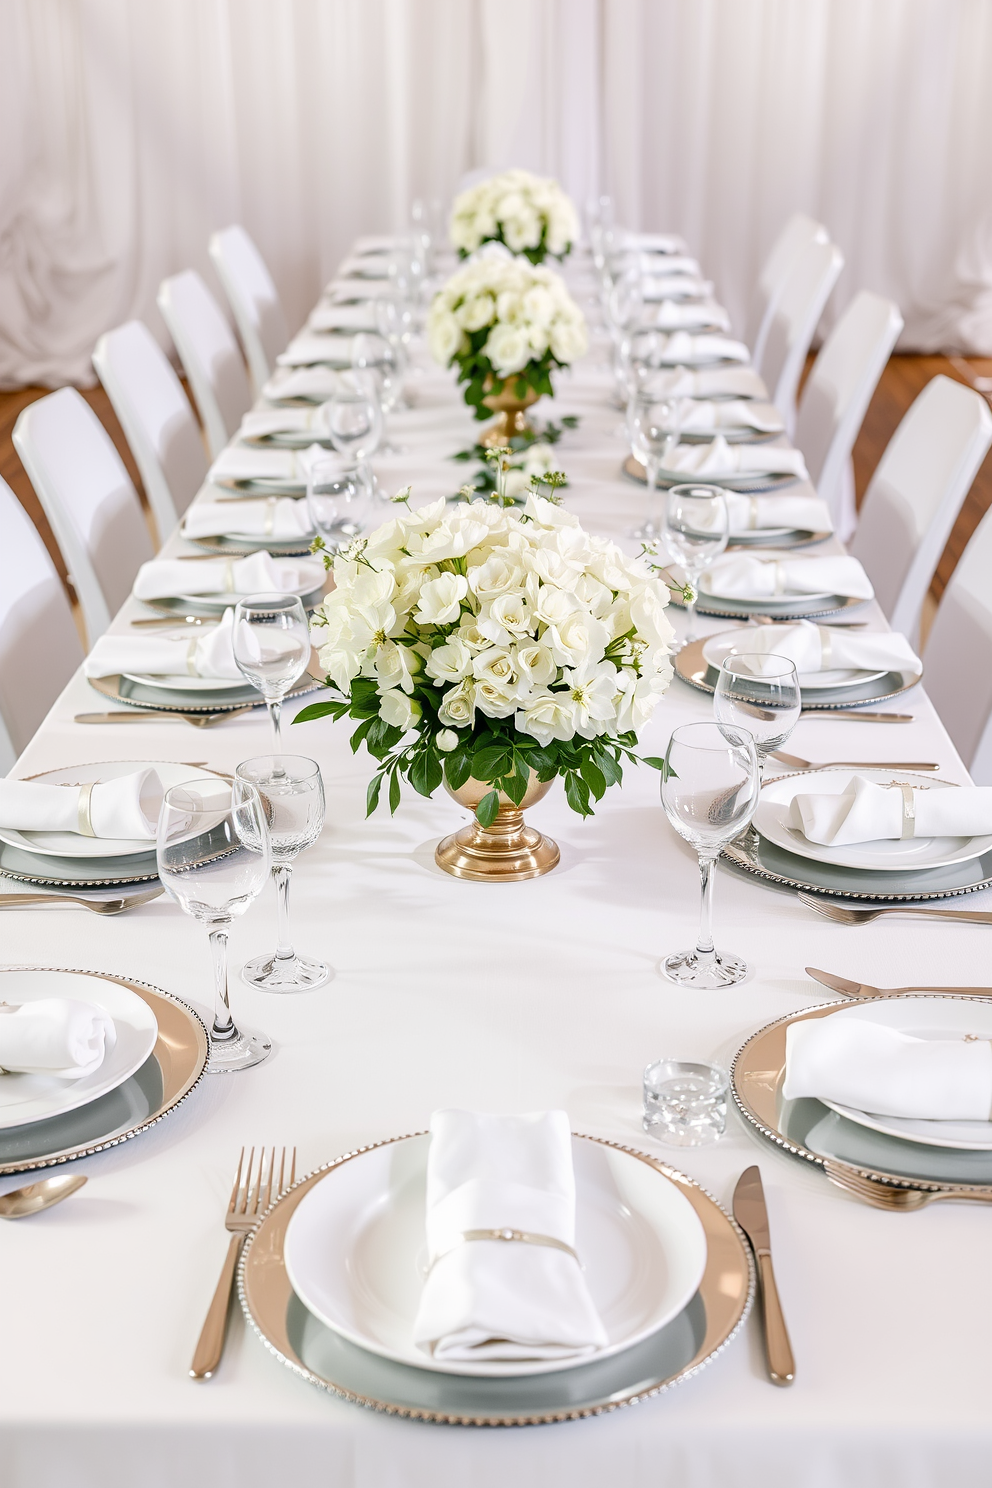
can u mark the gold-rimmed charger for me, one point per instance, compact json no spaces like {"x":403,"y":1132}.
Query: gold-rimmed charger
{"x":324,"y":1358}
{"x":164,"y":700}
{"x":691,"y":665}
{"x":812,"y":1132}
{"x":173,"y":1069}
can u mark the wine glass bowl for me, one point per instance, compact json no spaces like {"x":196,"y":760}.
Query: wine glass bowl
{"x":653,"y":431}
{"x":272,"y":647}
{"x":354,"y":419}
{"x":338,"y":502}
{"x":697,"y":530}
{"x":760,"y":692}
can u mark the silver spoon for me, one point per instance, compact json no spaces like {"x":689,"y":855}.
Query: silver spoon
{"x":21,"y":1202}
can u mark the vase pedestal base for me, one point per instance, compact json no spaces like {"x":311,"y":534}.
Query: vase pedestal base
{"x":510,"y":422}
{"x":506,"y":852}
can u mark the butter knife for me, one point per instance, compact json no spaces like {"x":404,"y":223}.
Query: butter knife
{"x":848,"y":988}
{"x":752,"y":1216}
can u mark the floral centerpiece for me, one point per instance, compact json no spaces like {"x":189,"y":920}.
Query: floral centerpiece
{"x":483,"y":644}
{"x":506,"y":325}
{"x":529,"y":214}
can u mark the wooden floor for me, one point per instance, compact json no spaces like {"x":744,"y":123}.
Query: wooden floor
{"x":902,"y":380}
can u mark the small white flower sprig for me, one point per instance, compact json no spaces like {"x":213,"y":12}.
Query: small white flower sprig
{"x":504,"y":642}
{"x":685,"y":591}
{"x":529,"y":214}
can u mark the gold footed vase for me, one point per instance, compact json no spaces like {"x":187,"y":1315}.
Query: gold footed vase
{"x":506,"y":852}
{"x":511,"y":410}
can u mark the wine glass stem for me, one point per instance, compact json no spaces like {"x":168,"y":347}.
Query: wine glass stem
{"x":282,"y":873}
{"x":274,"y":706}
{"x":652,"y":523}
{"x":223,"y":1028}
{"x":704,"y":942}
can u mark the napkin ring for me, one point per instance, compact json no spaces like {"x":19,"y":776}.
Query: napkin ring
{"x":525,"y":1237}
{"x":84,"y":823}
{"x":908,"y":827}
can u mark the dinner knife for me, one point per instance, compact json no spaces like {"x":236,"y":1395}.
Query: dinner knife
{"x":864,"y":989}
{"x":148,"y":715}
{"x":752,"y":1216}
{"x":857,"y":714}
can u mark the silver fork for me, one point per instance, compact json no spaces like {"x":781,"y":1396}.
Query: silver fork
{"x":886,"y":1196}
{"x":248,"y":1203}
{"x":96,"y":906}
{"x":796,"y":762}
{"x":845,"y":916}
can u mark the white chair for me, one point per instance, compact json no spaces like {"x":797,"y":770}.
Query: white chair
{"x":209,"y":354}
{"x":254,"y":299}
{"x":39,"y":644}
{"x":836,"y":397}
{"x":958,"y":657}
{"x":156,"y":417}
{"x":793,"y":323}
{"x":916,"y":493}
{"x":89,"y":500}
{"x":797,"y":232}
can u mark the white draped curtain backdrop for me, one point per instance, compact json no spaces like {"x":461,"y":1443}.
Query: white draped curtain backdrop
{"x":132,"y":128}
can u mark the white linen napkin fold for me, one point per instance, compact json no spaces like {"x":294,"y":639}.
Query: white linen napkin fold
{"x":282,"y":519}
{"x":651,"y":264}
{"x":816,"y":648}
{"x":364,"y":266}
{"x":499,"y":1299}
{"x":721,"y":458}
{"x":752,"y":513}
{"x":317,"y":384}
{"x":649,"y":242}
{"x":167,"y":578}
{"x":749,"y":576}
{"x":876,"y":1068}
{"x":864,"y":811}
{"x":373,"y":243}
{"x":261,"y":423}
{"x":321,"y":343}
{"x":327,"y":319}
{"x":56,"y":1036}
{"x":684,"y":315}
{"x":660,"y":350}
{"x":350,"y":291}
{"x":708,"y":382}
{"x":242,"y":462}
{"x":704,"y":416}
{"x":125,"y":807}
{"x":663,"y":286}
{"x":208,"y":653}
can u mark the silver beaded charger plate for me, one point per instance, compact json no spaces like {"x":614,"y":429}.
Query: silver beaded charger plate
{"x":791,"y":607}
{"x":746,"y":485}
{"x":810,"y":1131}
{"x":165,"y":699}
{"x":210,"y":607}
{"x":242,"y":547}
{"x":173,"y":1069}
{"x":323,"y":1357}
{"x":691,"y":665}
{"x":76,"y":873}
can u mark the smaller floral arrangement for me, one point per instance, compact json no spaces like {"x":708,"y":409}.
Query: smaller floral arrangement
{"x":527,"y":459}
{"x":506,"y":325}
{"x":529,"y":214}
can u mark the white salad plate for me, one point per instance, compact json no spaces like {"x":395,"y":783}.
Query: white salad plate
{"x":26,"y":1098}
{"x":179,"y":683}
{"x":771,"y":820}
{"x":717,"y":648}
{"x":356,"y":1253}
{"x":74,"y":844}
{"x":926,"y":1018}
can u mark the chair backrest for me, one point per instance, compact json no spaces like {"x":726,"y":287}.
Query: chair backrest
{"x":39,"y":644}
{"x":209,"y":354}
{"x":793,"y":324}
{"x":836,"y":396}
{"x":916,"y":493}
{"x":797,"y":232}
{"x":156,"y":417}
{"x":89,"y":500}
{"x":254,"y":300}
{"x":958,"y":657}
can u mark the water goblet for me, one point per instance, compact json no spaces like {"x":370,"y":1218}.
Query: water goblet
{"x":653,"y":430}
{"x":212,"y":848}
{"x":292,"y":795}
{"x":272,"y":648}
{"x":759,"y":692}
{"x":709,"y":789}
{"x":354,"y":419}
{"x":697,"y":529}
{"x":338,"y":501}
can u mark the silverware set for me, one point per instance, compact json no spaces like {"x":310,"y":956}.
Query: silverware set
{"x":149,"y":715}
{"x":95,"y":906}
{"x":794,"y":762}
{"x":841,"y":915}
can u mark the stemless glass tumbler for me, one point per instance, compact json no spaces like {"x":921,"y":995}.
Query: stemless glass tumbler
{"x":272,"y":647}
{"x":697,"y":528}
{"x":760,"y":693}
{"x":709,"y":789}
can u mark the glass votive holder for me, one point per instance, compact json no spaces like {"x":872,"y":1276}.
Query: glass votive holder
{"x":685,"y":1104}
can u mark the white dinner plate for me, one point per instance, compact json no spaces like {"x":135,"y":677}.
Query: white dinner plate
{"x":226,"y":601}
{"x":717,"y":648}
{"x":180,"y":683}
{"x":763,"y":602}
{"x":356,"y":1251}
{"x":73,"y":844}
{"x":929,"y":1018}
{"x":26,"y":1098}
{"x":883,"y":856}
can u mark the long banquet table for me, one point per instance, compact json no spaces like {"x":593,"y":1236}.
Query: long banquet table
{"x":506,"y":998}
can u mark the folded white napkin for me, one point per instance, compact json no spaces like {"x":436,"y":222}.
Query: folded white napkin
{"x":703,"y":416}
{"x":205,"y":653}
{"x":664,"y":286}
{"x":329,"y":319}
{"x":498,"y":1299}
{"x":689,"y":315}
{"x":660,"y":350}
{"x":353,"y":291}
{"x":652,"y":263}
{"x":653,"y":242}
{"x":125,"y":807}
{"x":864,"y":811}
{"x":365,"y":266}
{"x":372,"y":243}
{"x":263,"y":422}
{"x":708,"y":382}
{"x":167,"y":578}
{"x":280,"y":518}
{"x":241,"y":462}
{"x":752,"y":513}
{"x":55,"y":1036}
{"x":316,"y":384}
{"x":876,"y":1068}
{"x":721,"y":458}
{"x":816,"y":648}
{"x":749,"y":576}
{"x":317,"y":345}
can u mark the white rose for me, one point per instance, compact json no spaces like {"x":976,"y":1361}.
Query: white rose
{"x":638,"y":697}
{"x":648,"y":615}
{"x":441,"y":600}
{"x":446,"y":740}
{"x":507,"y":348}
{"x":493,"y":700}
{"x":341,"y":664}
{"x":522,"y":230}
{"x":547,"y":716}
{"x":478,"y":312}
{"x":469,"y":632}
{"x":577,"y":641}
{"x":509,"y":612}
{"x":445,"y":337}
{"x":450,"y":662}
{"x":451,"y":539}
{"x":399,"y":710}
{"x":568,"y":341}
{"x":458,"y":705}
{"x":536,"y":663}
{"x":539,"y":306}
{"x":498,"y":575}
{"x":395,"y":666}
{"x":496,"y":667}
{"x":555,"y":605}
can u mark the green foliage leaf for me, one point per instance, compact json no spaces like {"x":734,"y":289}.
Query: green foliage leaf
{"x":321,"y":710}
{"x":577,"y":794}
{"x":457,"y":767}
{"x":372,"y":794}
{"x":594,"y":778}
{"x":425,"y":773}
{"x":394,"y":789}
{"x":515,"y":786}
{"x":491,"y":763}
{"x":610,"y":768}
{"x":485,"y":812}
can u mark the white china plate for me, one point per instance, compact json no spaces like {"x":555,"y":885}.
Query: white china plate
{"x":229,"y":599}
{"x":930,"y":1018}
{"x":179,"y":683}
{"x":884,"y":856}
{"x":73,"y":844}
{"x":763,"y":602}
{"x":717,"y":648}
{"x":355,"y":1252}
{"x":26,"y":1098}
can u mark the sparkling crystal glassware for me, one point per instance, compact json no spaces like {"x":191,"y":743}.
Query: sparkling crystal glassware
{"x":213,"y":854}
{"x":338,"y":501}
{"x":760,"y":693}
{"x":696,"y":531}
{"x":354,"y":419}
{"x":272,"y":648}
{"x":709,"y":789}
{"x":685,"y":1104}
{"x":292,"y":795}
{"x":653,"y":430}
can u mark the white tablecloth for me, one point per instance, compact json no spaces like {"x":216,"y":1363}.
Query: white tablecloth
{"x":508,"y":998}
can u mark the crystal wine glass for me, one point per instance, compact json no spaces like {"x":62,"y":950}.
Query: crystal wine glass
{"x":760,"y":693}
{"x":709,"y":789}
{"x":338,"y":501}
{"x":354,"y":420}
{"x":272,"y":648}
{"x":697,"y":529}
{"x":653,"y":430}
{"x":213,"y":855}
{"x":292,"y":796}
